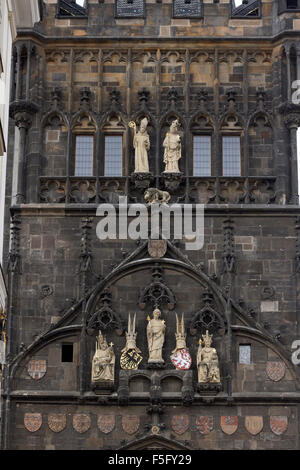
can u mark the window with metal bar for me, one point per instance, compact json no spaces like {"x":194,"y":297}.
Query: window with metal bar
{"x":231,"y":155}
{"x":84,"y":155}
{"x":113,"y":155}
{"x":202,"y":155}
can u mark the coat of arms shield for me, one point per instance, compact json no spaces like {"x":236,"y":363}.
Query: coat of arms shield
{"x":37,"y":368}
{"x":130,"y":424}
{"x":33,"y":421}
{"x":81,"y":423}
{"x":278,"y":424}
{"x":182,"y":359}
{"x":157,"y":248}
{"x":57,"y":422}
{"x":180,"y":423}
{"x":254,"y":424}
{"x":229,"y":424}
{"x":275,"y":370}
{"x":106,"y":423}
{"x":204,"y":424}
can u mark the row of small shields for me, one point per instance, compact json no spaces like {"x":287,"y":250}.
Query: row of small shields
{"x":179,"y":423}
{"x":81,"y":422}
{"x":229,"y":424}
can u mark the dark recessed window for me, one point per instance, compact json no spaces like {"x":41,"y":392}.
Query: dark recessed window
{"x":113,"y":155}
{"x":245,"y":354}
{"x":291,"y":4}
{"x":67,"y":352}
{"x":231,"y":148}
{"x":84,"y":155}
{"x":202,"y":155}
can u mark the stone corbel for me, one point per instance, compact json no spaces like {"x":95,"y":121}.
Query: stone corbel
{"x":141,"y":180}
{"x":172,"y":181}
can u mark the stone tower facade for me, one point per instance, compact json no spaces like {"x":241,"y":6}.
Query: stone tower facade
{"x":81,"y":75}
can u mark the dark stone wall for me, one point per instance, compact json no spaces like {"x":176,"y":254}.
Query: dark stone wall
{"x":217,"y":75}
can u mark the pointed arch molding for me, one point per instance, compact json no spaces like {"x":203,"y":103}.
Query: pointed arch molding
{"x":55,"y":114}
{"x":174,"y":260}
{"x":150,"y":442}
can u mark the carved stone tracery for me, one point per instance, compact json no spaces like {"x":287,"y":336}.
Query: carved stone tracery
{"x":157,"y":293}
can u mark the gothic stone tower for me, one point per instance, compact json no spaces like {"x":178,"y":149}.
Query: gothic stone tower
{"x":80,"y":76}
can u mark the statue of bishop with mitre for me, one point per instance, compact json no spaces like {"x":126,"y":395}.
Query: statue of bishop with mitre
{"x":141,"y":144}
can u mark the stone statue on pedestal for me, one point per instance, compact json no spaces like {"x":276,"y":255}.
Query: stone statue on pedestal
{"x":156,"y":329}
{"x":141,"y":144}
{"x":103,"y":367}
{"x":207,"y":361}
{"x":172,"y":146}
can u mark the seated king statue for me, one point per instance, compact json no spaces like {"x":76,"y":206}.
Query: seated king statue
{"x":207,"y":361}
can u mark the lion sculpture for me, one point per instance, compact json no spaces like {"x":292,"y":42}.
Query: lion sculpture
{"x":156,"y":196}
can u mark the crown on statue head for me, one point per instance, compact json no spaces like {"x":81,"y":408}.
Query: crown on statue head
{"x":207,"y":338}
{"x":101,"y":340}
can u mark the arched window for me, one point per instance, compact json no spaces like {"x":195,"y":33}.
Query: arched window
{"x":84,"y":130}
{"x":231,"y":131}
{"x":113,"y":146}
{"x":201,"y":131}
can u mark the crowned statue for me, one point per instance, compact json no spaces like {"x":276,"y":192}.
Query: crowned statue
{"x":156,"y":329}
{"x":103,"y":367}
{"x":207,"y":361}
{"x":141,"y":144}
{"x":172,"y":146}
